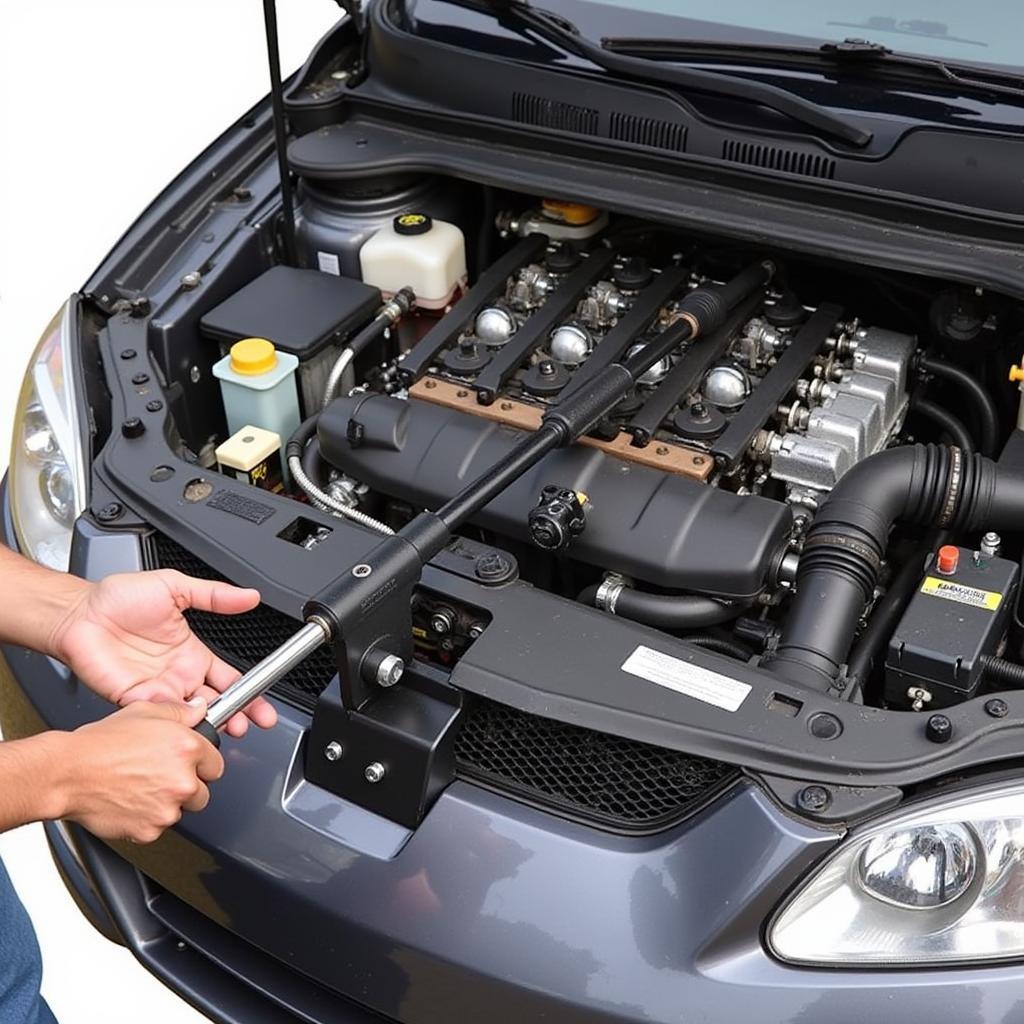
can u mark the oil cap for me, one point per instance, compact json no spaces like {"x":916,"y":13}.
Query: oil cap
{"x":948,"y":559}
{"x":253,"y":356}
{"x":412,"y":224}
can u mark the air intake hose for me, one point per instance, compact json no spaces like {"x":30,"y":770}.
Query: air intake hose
{"x":925,"y":485}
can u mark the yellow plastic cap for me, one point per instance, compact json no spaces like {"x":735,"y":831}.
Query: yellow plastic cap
{"x":575,"y":214}
{"x":253,"y":356}
{"x":1017,"y":373}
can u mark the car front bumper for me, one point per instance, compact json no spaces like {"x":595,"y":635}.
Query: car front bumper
{"x":282,"y":901}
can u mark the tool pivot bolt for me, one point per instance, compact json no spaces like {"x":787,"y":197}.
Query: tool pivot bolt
{"x":333,"y":751}
{"x":374,"y":772}
{"x":390,"y":670}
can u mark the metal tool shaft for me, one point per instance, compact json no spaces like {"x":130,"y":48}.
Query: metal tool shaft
{"x":273,"y":667}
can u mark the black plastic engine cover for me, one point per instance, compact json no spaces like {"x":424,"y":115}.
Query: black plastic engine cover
{"x":657,"y":527}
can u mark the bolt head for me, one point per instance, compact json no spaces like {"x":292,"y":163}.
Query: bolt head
{"x":192,"y":279}
{"x":997,"y":708}
{"x":390,"y":670}
{"x":361,"y":571}
{"x":110,"y":512}
{"x":813,"y":798}
{"x":333,"y":751}
{"x":133,"y":427}
{"x":374,"y":772}
{"x":939,"y":729}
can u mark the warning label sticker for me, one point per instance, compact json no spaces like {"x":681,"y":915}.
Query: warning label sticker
{"x":687,"y":678}
{"x":950,"y":591}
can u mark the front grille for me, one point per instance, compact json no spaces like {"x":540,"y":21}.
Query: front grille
{"x":590,"y":776}
{"x":243,"y":640}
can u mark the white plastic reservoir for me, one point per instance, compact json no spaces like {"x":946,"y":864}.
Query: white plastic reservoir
{"x":418,"y":252}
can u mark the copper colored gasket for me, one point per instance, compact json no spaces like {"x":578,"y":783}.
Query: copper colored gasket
{"x":664,"y":455}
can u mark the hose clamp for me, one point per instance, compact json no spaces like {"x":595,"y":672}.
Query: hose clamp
{"x":608,"y":593}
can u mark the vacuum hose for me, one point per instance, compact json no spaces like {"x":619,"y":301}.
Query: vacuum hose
{"x":924,"y":485}
{"x":664,"y":611}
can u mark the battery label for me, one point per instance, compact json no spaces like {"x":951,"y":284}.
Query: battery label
{"x":950,"y":591}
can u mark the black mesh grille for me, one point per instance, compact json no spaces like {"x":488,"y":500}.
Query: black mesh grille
{"x":242,"y":640}
{"x":591,"y":776}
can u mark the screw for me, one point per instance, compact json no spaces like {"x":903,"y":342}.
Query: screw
{"x":193,"y":279}
{"x":194,"y":374}
{"x":546,"y":368}
{"x":813,"y":798}
{"x":110,"y":512}
{"x":493,"y":567}
{"x":133,"y":427}
{"x":442,"y":621}
{"x":333,"y":751}
{"x":140,"y":378}
{"x":475,"y":631}
{"x":128,"y":353}
{"x":361,"y":571}
{"x":154,"y":405}
{"x":939,"y":729}
{"x":374,"y":772}
{"x":242,"y":194}
{"x":997,"y":708}
{"x":390,"y":670}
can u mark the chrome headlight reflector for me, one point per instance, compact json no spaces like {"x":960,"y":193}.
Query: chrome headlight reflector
{"x":47,"y":477}
{"x":942,"y":883}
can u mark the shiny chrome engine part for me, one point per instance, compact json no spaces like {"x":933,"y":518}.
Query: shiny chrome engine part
{"x":847,"y":419}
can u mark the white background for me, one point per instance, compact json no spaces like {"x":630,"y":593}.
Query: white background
{"x":102,"y":102}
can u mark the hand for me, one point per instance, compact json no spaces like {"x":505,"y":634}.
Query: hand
{"x":130,"y":775}
{"x":127,"y":639}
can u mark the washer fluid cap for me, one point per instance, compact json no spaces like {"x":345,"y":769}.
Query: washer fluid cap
{"x":412,"y":224}
{"x":253,"y":356}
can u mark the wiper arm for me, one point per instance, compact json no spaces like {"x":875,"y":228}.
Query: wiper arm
{"x":556,"y":29}
{"x":849,"y":52}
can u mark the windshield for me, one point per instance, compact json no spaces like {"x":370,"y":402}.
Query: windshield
{"x":987,"y":32}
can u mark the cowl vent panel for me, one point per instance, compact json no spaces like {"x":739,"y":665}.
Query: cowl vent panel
{"x":647,"y":131}
{"x":548,"y":113}
{"x":775,"y":158}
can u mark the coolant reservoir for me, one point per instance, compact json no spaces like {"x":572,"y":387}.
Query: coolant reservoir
{"x":414,"y":250}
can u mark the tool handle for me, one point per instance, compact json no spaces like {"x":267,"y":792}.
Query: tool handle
{"x":207,"y":730}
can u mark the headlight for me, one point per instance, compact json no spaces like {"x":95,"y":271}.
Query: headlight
{"x":943,"y":883}
{"x":47,"y":479}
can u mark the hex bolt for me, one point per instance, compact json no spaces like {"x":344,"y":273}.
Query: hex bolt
{"x":154,"y":405}
{"x":475,"y":631}
{"x":813,"y":799}
{"x":938,"y":729}
{"x":140,"y":378}
{"x":110,"y":512}
{"x":997,"y":708}
{"x":133,"y":427}
{"x":128,"y":353}
{"x":390,"y":670}
{"x":333,"y":751}
{"x":374,"y":772}
{"x":193,"y":279}
{"x":442,"y":621}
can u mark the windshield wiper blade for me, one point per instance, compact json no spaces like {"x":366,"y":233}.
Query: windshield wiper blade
{"x":556,"y":29}
{"x":850,"y":52}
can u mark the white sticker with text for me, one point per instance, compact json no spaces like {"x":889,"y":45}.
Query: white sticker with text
{"x":685,"y":677}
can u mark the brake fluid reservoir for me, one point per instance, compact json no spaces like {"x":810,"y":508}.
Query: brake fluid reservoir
{"x":257,"y":383}
{"x":414,"y":250}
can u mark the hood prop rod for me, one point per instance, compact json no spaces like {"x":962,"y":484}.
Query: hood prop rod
{"x":366,"y":612}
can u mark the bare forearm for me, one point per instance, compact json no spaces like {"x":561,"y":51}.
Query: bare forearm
{"x":35,"y":601}
{"x":33,"y":786}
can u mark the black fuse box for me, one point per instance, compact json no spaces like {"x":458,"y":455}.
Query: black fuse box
{"x":958,"y":614}
{"x":300,"y":311}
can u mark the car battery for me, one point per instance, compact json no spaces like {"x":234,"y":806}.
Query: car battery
{"x":957,"y":615}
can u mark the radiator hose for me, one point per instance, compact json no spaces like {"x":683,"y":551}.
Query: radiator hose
{"x":923,"y":485}
{"x":665,"y":611}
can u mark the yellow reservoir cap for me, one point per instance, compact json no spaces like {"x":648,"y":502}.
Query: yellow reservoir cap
{"x":574,"y":214}
{"x":253,"y":356}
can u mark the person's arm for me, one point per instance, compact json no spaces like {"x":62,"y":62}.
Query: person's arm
{"x":126,"y":637}
{"x":127,"y":776}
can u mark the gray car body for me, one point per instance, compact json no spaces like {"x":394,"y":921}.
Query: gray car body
{"x":284,"y":902}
